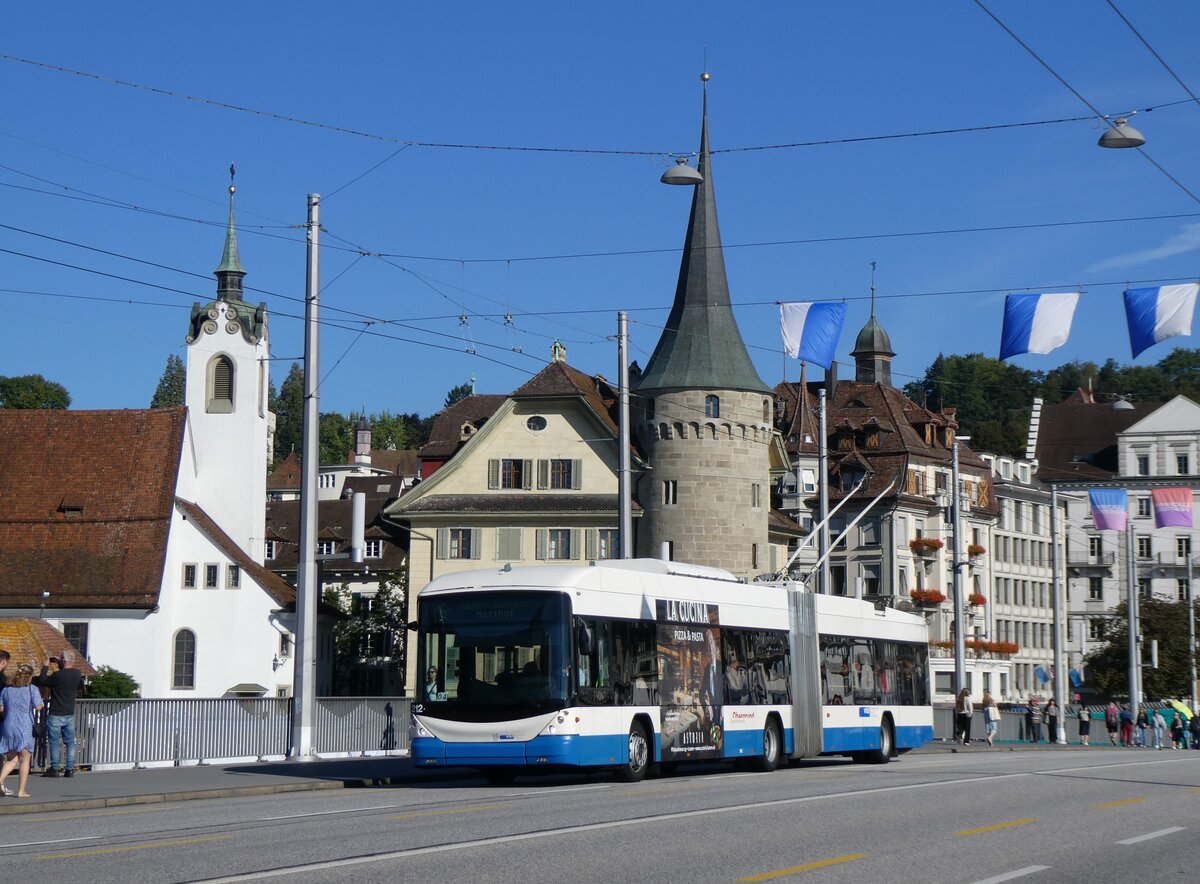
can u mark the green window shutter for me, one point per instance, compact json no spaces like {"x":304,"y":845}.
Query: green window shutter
{"x":476,"y":542}
{"x":541,"y":544}
{"x":443,"y":542}
{"x":592,"y":544}
{"x":508,"y":544}
{"x":493,"y":473}
{"x":543,"y":474}
{"x":576,"y":474}
{"x":575,"y":543}
{"x":527,"y":474}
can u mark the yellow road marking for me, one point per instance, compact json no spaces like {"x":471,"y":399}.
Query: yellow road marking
{"x":419,"y":813}
{"x":997,"y":826}
{"x":1120,"y":803}
{"x":807,"y":867}
{"x":100,"y":850}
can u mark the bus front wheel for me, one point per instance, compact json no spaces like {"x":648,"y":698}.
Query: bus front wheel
{"x":771,"y":747}
{"x":634,"y":770}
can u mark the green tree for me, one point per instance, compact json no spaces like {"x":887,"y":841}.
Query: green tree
{"x":1182,"y":370}
{"x":289,"y":414}
{"x":32,"y":391}
{"x":389,"y":432}
{"x":1108,"y":667}
{"x":109,"y":683}
{"x":462,"y":391}
{"x":336,"y":438}
{"x":172,"y":386}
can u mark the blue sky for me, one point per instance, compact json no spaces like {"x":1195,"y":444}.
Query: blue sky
{"x":112,"y":198}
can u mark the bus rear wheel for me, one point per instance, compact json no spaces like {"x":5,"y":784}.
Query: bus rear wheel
{"x":887,"y":744}
{"x":772,"y":745}
{"x":634,"y":770}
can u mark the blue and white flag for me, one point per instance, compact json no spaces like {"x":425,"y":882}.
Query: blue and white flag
{"x":1041,"y":674}
{"x":1159,"y":313}
{"x":811,"y":331}
{"x":1036,"y":323}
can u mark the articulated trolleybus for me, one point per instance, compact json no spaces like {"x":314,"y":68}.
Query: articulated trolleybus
{"x":642,"y":664}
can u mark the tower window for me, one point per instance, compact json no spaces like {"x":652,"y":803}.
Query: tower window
{"x":220,"y":385}
{"x":712,"y":406}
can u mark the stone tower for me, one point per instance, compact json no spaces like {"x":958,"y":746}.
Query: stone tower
{"x":229,"y":424}
{"x":703,"y":415}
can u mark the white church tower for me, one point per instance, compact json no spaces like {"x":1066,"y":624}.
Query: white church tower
{"x":229,"y":423}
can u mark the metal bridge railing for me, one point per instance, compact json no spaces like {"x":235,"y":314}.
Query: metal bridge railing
{"x":196,"y":731}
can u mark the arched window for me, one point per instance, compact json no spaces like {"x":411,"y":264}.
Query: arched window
{"x":184,"y":660}
{"x":712,"y":406}
{"x":766,"y":411}
{"x":220,"y":385}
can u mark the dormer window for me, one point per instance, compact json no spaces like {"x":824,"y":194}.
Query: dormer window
{"x":220,"y":385}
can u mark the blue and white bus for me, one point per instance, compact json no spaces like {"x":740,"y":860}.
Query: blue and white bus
{"x":639,"y":665}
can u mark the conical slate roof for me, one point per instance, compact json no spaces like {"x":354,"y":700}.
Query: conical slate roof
{"x":701,"y":347}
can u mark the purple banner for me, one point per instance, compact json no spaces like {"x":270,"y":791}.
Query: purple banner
{"x":1172,"y":507}
{"x":1109,"y":508}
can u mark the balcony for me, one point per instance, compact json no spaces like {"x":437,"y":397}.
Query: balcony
{"x":1175,"y":563}
{"x":1081,"y":561}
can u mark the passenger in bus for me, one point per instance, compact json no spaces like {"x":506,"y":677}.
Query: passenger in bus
{"x":735,"y":681}
{"x":431,"y":687}
{"x":864,"y":679}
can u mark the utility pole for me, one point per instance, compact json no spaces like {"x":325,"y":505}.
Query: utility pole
{"x":1191,"y":629}
{"x":823,"y":486}
{"x":308,"y":582}
{"x":624,"y":484}
{"x":1056,"y":599}
{"x":956,"y":563}
{"x":1131,"y":610}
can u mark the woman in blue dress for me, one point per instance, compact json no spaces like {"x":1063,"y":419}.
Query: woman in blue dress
{"x":19,"y":702}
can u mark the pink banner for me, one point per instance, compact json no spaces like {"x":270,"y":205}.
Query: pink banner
{"x":1172,"y":507}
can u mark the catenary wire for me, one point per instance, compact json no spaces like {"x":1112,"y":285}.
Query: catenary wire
{"x":1152,"y":51}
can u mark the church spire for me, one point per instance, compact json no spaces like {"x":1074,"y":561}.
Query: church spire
{"x":229,"y":275}
{"x":701,"y":346}
{"x":873,"y":349}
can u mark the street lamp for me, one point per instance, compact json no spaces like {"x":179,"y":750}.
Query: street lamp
{"x":681,"y":173}
{"x":1121,"y":134}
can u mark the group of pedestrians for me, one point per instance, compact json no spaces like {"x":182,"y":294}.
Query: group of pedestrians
{"x":1150,"y":729}
{"x":21,"y":705}
{"x":964,"y":713}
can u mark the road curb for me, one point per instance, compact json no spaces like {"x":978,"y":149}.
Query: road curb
{"x":16,"y":806}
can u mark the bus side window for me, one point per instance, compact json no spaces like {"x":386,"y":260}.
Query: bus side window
{"x":737,"y":669}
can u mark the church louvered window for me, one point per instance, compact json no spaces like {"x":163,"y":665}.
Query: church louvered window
{"x":220,"y":385}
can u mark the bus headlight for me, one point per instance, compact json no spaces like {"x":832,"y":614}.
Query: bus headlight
{"x":418,"y":728}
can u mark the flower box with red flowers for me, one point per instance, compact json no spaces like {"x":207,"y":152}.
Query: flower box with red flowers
{"x":977,"y":598}
{"x":927,"y":597}
{"x":925,"y":546}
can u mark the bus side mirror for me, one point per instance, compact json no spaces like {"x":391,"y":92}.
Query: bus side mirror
{"x":583,"y":637}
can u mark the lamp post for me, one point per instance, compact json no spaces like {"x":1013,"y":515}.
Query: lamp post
{"x":957,"y":562}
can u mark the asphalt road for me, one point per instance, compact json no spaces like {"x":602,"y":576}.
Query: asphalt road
{"x":1102,"y":815}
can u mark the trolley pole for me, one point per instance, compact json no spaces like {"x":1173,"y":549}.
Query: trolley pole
{"x":624,"y":490}
{"x":1135,"y":643}
{"x":1056,"y":599}
{"x":823,"y":487}
{"x":956,"y":562}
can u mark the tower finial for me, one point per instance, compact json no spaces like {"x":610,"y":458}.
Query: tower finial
{"x":229,"y":274}
{"x":872,"y":288}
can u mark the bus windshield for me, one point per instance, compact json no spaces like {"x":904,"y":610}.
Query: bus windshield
{"x":493,"y":656}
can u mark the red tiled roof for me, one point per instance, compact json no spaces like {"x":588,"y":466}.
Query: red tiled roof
{"x":1077,"y":438}
{"x":286,"y":475}
{"x":32,"y":641}
{"x":85,"y":505}
{"x":445,"y":436}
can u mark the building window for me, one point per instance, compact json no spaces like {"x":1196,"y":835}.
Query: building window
{"x":1182,"y":465}
{"x":77,"y":635}
{"x":537,"y":423}
{"x":1143,"y":465}
{"x":557,"y":544}
{"x":220,"y":385}
{"x":1096,"y":630}
{"x":837,"y":580}
{"x":457,"y":543}
{"x":670,"y":492}
{"x":212,"y":575}
{"x":189,"y":576}
{"x":1143,"y":548}
{"x":560,"y":474}
{"x":1181,"y":588}
{"x":510,"y":473}
{"x":1183,"y":547}
{"x":870,"y":578}
{"x":607,"y":544}
{"x":327,"y":480}
{"x":374,"y":549}
{"x":1094,"y":547}
{"x":233,"y":576}
{"x":269,"y":550}
{"x":766,"y":411}
{"x":1144,"y":591}
{"x":712,"y":406}
{"x":755,"y":496}
{"x":325,"y":547}
{"x":870,"y":532}
{"x":1095,"y":589}
{"x":1143,"y":507}
{"x":808,"y":481}
{"x":184,"y":661}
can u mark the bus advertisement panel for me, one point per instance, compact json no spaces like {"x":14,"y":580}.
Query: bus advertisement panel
{"x":689,"y":680}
